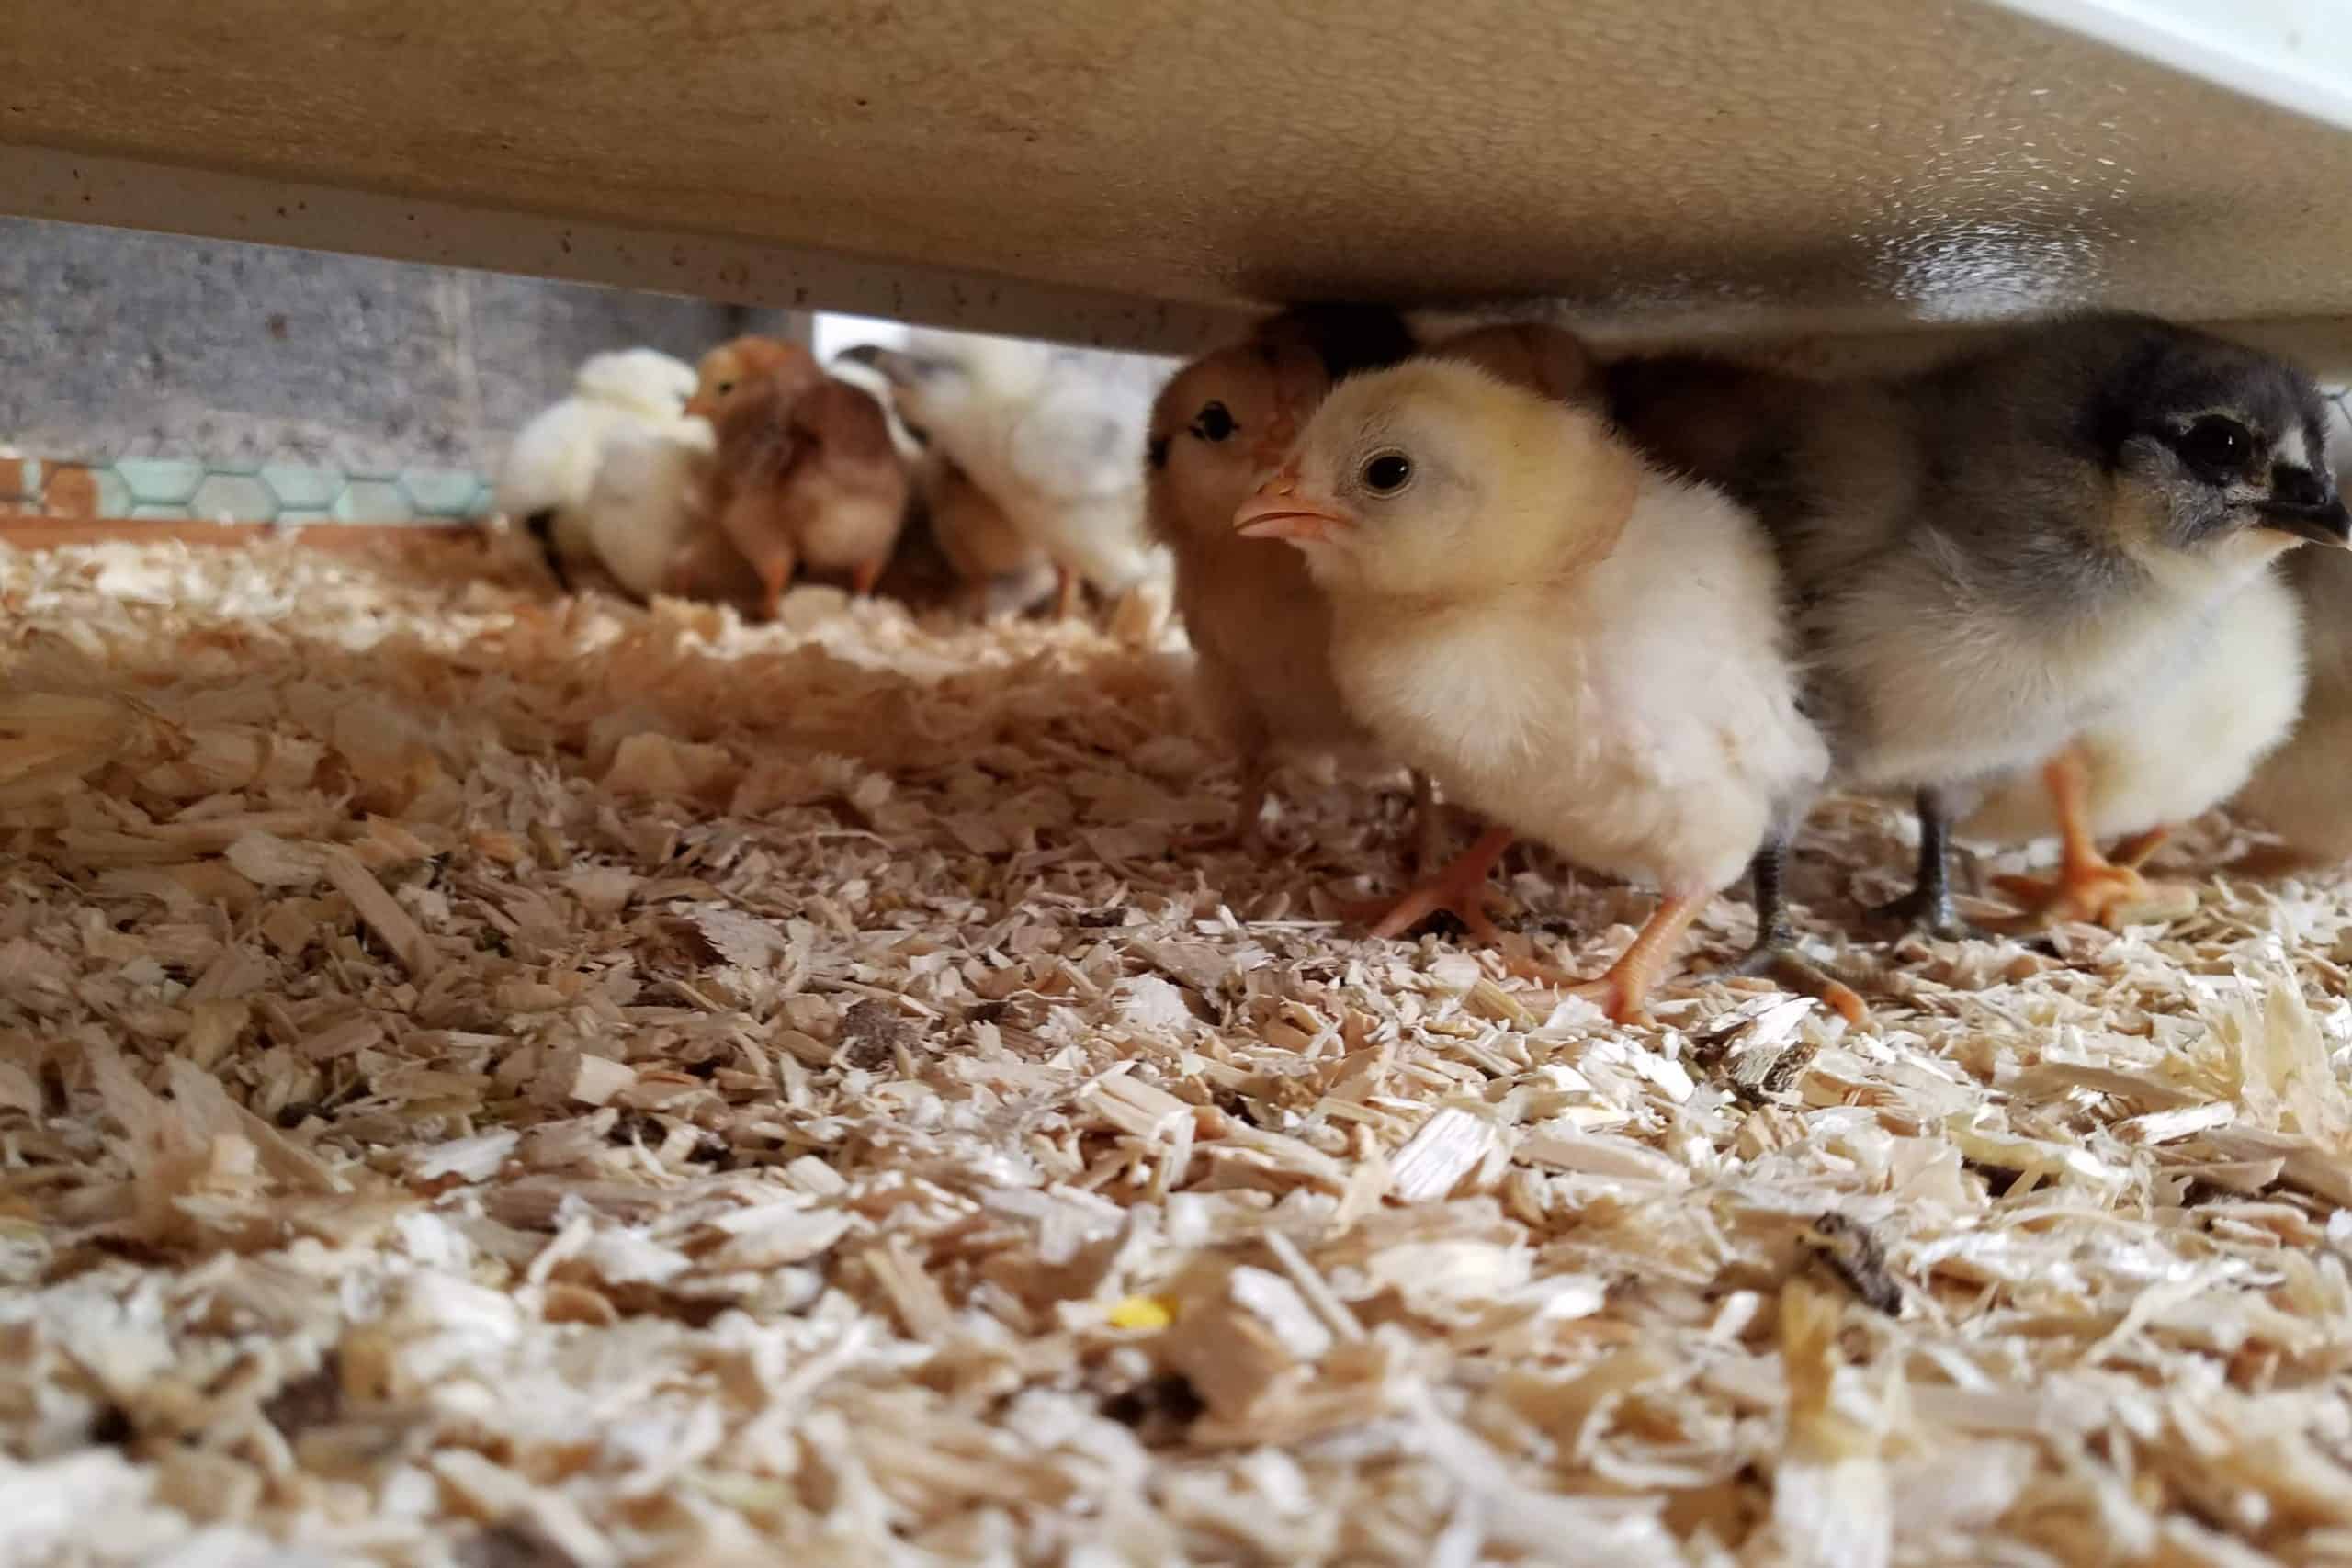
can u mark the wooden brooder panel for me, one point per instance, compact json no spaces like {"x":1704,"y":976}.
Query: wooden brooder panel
{"x":1135,"y":171}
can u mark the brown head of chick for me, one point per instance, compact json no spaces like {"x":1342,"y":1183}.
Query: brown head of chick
{"x":742,"y":361}
{"x":806,"y":475}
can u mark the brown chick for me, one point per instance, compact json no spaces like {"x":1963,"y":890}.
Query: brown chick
{"x":745,"y":359}
{"x":1260,"y":629}
{"x":806,"y":476}
{"x":1542,"y":358}
{"x":981,"y":543}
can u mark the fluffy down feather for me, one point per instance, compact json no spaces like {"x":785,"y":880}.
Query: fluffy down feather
{"x":1054,"y":437}
{"x":1575,"y":646}
{"x":1260,"y":629}
{"x":806,"y":476}
{"x":649,"y":502}
{"x":996,"y":563}
{"x":550,"y":469}
{"x":2189,"y":740}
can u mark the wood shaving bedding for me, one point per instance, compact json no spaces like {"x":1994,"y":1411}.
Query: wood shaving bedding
{"x":492,"y":1082}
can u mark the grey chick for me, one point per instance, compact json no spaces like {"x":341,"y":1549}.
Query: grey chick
{"x":1987,"y":555}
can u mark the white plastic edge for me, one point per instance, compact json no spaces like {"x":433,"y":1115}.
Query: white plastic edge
{"x":2296,"y":54}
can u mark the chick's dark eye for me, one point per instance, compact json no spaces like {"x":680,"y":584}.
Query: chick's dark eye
{"x":724,"y":388}
{"x":1386,"y":474}
{"x":2217,"y":446}
{"x":1216,"y":422}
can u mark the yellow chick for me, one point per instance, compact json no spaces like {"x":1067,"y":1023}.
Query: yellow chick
{"x":1553,"y":363}
{"x":1578,"y":647}
{"x":2182,"y":744}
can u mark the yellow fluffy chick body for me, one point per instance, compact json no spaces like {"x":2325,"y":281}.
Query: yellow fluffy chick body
{"x":1574,"y":645}
{"x":2189,"y":738}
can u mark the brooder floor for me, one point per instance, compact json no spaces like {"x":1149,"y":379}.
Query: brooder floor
{"x":494,"y":1081}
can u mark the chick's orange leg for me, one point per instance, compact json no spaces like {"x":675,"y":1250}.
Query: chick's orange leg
{"x":2135,"y":850}
{"x":2088,"y":886}
{"x":1065,"y":592}
{"x":776,"y":576}
{"x":865,"y":574}
{"x":1623,"y":991}
{"x":1459,"y":889}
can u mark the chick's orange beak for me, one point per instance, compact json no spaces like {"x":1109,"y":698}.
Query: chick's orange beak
{"x":1278,"y":511}
{"x":702,"y":405}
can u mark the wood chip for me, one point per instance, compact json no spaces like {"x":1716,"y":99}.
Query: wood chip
{"x":786,"y":1097}
{"x":382,"y":911}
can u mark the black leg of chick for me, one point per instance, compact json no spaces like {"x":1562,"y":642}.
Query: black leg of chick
{"x":1927,"y":908}
{"x":1775,"y":955}
{"x":540,"y":526}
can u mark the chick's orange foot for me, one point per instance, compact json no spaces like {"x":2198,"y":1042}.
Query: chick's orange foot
{"x":1779,"y":960}
{"x":1459,"y":889}
{"x":1623,"y":989}
{"x":2095,"y":893}
{"x":2089,"y":887}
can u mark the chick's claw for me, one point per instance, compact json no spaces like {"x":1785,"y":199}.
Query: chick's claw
{"x":2089,"y":887}
{"x":1927,"y":911}
{"x":1623,"y":989}
{"x":1459,"y":889}
{"x":1779,"y":961}
{"x":2099,"y":892}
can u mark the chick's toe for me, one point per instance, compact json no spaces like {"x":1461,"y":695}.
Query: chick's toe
{"x":1623,"y":989}
{"x":1459,"y":889}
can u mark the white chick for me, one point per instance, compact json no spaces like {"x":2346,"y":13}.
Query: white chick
{"x":2181,"y":745}
{"x":1057,"y":445}
{"x":1578,"y":647}
{"x":550,"y":469}
{"x":648,"y":504}
{"x":1260,"y":629}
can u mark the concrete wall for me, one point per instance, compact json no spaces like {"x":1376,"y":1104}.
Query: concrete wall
{"x":327,"y":385}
